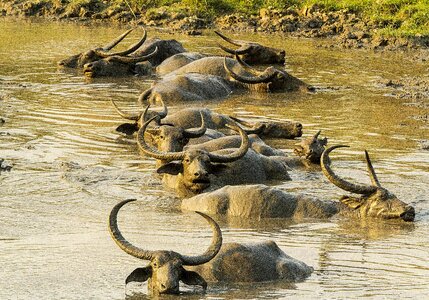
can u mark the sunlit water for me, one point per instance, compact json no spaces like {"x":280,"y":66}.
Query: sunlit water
{"x":70,"y":168}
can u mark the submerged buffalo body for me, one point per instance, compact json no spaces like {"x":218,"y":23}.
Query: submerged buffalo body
{"x":177,"y":61}
{"x":253,"y":263}
{"x":191,"y":117}
{"x":260,"y":201}
{"x":165,"y":269}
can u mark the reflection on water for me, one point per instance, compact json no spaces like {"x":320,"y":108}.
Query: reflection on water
{"x":70,"y":168}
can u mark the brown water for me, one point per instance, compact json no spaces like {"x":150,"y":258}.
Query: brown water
{"x":70,"y":168}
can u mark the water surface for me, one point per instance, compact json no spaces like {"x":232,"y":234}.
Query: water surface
{"x":70,"y":168}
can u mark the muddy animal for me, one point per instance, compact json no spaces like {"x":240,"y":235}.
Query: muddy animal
{"x":153,"y":52}
{"x":253,"y":53}
{"x":80,"y":59}
{"x":243,"y":76}
{"x":166,"y":268}
{"x":199,"y":170}
{"x":375,"y":201}
{"x":190,"y":117}
{"x":187,"y":87}
{"x":256,"y":262}
{"x":308,"y":152}
{"x":261,"y":201}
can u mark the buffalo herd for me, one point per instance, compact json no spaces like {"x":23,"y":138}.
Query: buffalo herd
{"x":218,"y":164}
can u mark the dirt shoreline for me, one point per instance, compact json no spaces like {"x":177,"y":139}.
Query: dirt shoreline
{"x":345,"y":29}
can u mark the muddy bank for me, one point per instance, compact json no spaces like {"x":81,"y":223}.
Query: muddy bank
{"x":345,"y":28}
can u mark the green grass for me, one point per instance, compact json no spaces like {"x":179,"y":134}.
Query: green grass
{"x":394,"y":17}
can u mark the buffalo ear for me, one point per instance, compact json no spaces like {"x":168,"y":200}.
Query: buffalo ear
{"x":139,"y":275}
{"x":217,"y":168}
{"x":127,"y":128}
{"x":170,"y":168}
{"x":324,"y":142}
{"x":193,"y":278}
{"x":352,"y":202}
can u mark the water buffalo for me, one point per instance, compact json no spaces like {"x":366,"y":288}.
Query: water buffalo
{"x":230,"y":262}
{"x":308,"y":151}
{"x":241,"y":75}
{"x":190,"y":117}
{"x":199,"y":170}
{"x":165,"y":269}
{"x":118,"y":65}
{"x":79,"y":60}
{"x":216,"y":78}
{"x":254,"y":53}
{"x":149,"y":55}
{"x":260,"y":201}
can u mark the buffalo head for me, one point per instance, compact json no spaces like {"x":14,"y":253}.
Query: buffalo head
{"x":274,"y":129}
{"x":254,"y":53}
{"x":271,"y":79}
{"x":311,"y":148}
{"x":375,"y":201}
{"x":79,"y":60}
{"x":116,"y":65}
{"x":165,"y":269}
{"x":195,"y":165}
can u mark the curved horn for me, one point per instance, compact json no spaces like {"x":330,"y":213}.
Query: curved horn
{"x":265,"y":77}
{"x":237,"y":154}
{"x":247,"y":67}
{"x":317,"y":135}
{"x":226,"y":49}
{"x":234,"y":42}
{"x":133,"y":117}
{"x":104,"y":53}
{"x":213,"y":248}
{"x":339,"y":182}
{"x":117,"y":40}
{"x":144,"y":96}
{"x":134,"y":59}
{"x":257,"y":129}
{"x":196,"y":132}
{"x":242,"y":122}
{"x":146,"y":149}
{"x":120,"y":240}
{"x":372,"y":175}
{"x":162,"y":114}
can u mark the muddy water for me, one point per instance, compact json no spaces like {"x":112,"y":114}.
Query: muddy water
{"x":70,"y":168}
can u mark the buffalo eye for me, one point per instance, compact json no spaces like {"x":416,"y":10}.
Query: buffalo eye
{"x":187,"y":160}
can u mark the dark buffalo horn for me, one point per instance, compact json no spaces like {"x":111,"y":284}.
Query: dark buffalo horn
{"x":102,"y":53}
{"x":242,"y":122}
{"x":144,"y":96}
{"x":317,"y":135}
{"x":371,"y":171}
{"x":196,"y":132}
{"x":243,"y":50}
{"x":120,"y":240}
{"x":267,"y":77}
{"x":146,"y":149}
{"x":248,"y":68}
{"x":117,"y":40}
{"x":133,"y":117}
{"x":213,"y":248}
{"x":237,"y":154}
{"x":339,"y":182}
{"x":257,"y":129}
{"x":226,"y":49}
{"x":162,"y":114}
{"x":134,"y":59}
{"x":234,"y":42}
